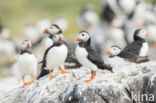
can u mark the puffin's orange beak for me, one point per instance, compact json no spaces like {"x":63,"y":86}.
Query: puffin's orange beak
{"x":147,"y":34}
{"x":106,"y":52}
{"x":61,"y":38}
{"x":43,"y":44}
{"x":44,"y":31}
{"x":29,"y":45}
{"x":75,"y":40}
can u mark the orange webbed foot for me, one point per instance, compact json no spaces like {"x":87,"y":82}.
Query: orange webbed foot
{"x":63,"y":71}
{"x":91,"y":78}
{"x":33,"y":79}
{"x":87,"y":81}
{"x":52,"y":77}
{"x":24,"y":84}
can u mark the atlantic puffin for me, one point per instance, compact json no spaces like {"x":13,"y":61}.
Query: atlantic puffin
{"x":128,"y":56}
{"x":87,"y":56}
{"x":27,"y":62}
{"x":55,"y":55}
{"x":55,"y":29}
{"x":139,"y":46}
{"x":70,"y":62}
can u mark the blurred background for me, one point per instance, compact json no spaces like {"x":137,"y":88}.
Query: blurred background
{"x":108,"y":21}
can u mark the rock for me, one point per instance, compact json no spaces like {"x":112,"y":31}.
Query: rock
{"x":7,"y":84}
{"x":128,"y":84}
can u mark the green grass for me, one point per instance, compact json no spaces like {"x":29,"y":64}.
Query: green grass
{"x":14,"y":13}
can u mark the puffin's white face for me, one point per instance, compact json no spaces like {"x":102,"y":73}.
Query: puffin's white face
{"x":82,"y":37}
{"x":52,"y":29}
{"x":114,"y":50}
{"x":57,"y":38}
{"x":142,"y":33}
{"x":26,"y":44}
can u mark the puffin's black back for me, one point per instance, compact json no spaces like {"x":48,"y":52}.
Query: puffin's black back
{"x":133,"y":57}
{"x":94,"y":57}
{"x":135,"y":46}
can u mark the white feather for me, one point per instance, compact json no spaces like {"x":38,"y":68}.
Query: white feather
{"x":27,"y":64}
{"x":144,"y":49}
{"x":56,"y":56}
{"x":81,"y":55}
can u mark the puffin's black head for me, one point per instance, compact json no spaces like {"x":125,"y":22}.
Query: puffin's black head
{"x":140,"y":34}
{"x":26,"y":45}
{"x":52,"y":29}
{"x":113,"y":51}
{"x":83,"y":36}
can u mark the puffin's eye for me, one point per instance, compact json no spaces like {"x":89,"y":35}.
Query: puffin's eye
{"x":82,"y":34}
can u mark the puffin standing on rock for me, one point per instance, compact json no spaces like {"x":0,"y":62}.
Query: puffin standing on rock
{"x":87,"y":56}
{"x":27,"y":62}
{"x":56,"y":54}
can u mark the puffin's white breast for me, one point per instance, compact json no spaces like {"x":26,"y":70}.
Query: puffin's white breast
{"x":56,"y":56}
{"x":81,"y":55}
{"x":27,"y":64}
{"x":144,"y":49}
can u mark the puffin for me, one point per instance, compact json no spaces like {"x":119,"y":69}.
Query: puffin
{"x":88,"y":17}
{"x":62,"y":22}
{"x":139,"y":46}
{"x":115,"y":51}
{"x":70,"y":62}
{"x":55,"y":55}
{"x":27,"y":62}
{"x":87,"y":56}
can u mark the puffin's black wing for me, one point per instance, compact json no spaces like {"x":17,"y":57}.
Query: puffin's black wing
{"x":71,"y":61}
{"x":133,"y":57}
{"x":96,"y":59}
{"x":133,"y":47}
{"x":44,"y":57}
{"x":44,"y":71}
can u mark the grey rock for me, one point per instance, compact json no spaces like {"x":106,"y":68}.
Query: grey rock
{"x":122,"y":86}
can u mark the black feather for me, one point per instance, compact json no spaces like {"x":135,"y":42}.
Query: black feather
{"x":94,"y":57}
